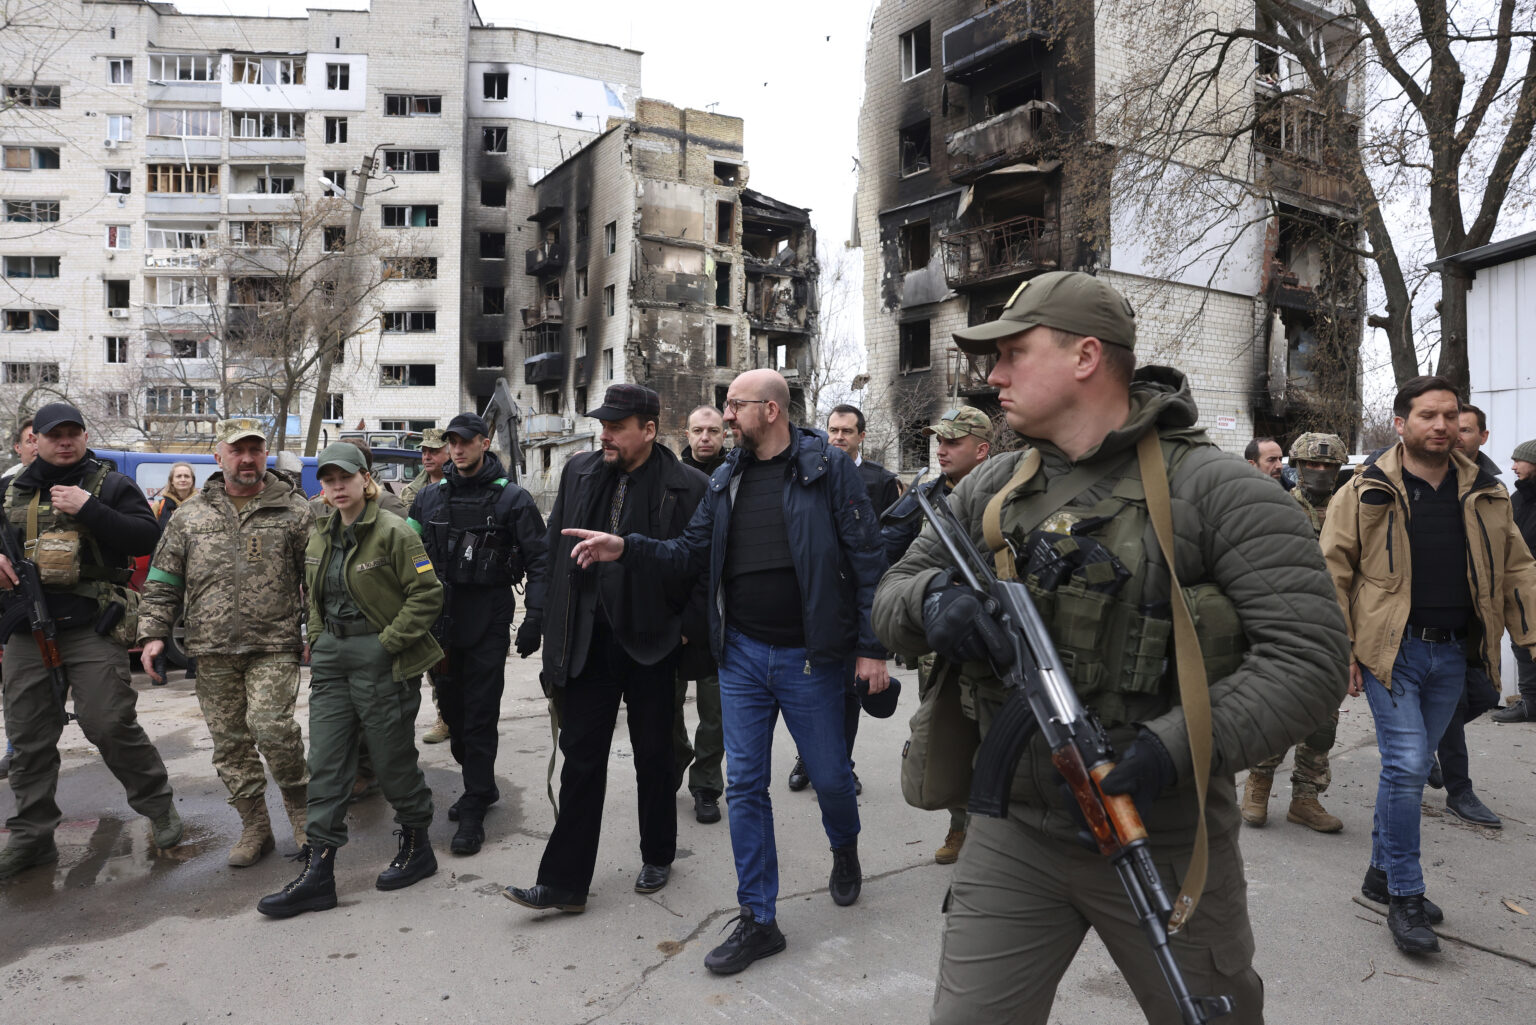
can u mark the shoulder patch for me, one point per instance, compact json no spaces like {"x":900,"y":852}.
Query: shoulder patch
{"x":423,"y":564}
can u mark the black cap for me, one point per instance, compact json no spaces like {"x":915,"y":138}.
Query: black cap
{"x":468,"y":425}
{"x":882,"y":705}
{"x":55,"y":413}
{"x":624,"y":400}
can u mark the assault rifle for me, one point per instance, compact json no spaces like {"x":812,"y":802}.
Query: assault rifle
{"x":27,"y":603}
{"x":1041,"y":697}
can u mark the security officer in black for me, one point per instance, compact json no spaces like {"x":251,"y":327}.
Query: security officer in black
{"x":484,"y":535}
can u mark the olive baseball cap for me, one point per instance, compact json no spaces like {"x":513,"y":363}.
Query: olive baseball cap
{"x":434,"y":437}
{"x":342,"y":455}
{"x":231,"y":431}
{"x":1066,"y":300}
{"x":962,"y":421}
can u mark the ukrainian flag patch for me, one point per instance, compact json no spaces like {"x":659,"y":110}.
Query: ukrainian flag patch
{"x":423,"y":564}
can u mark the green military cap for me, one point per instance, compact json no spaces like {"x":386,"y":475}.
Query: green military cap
{"x":344,"y":456}
{"x":231,"y":431}
{"x":434,"y":437}
{"x":1525,"y":452}
{"x":960,"y":421}
{"x":1071,"y":301}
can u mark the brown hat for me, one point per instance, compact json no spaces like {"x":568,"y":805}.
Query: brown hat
{"x":1066,"y":300}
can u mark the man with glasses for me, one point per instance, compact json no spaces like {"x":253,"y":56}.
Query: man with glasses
{"x":965,"y":440}
{"x":787,"y":534}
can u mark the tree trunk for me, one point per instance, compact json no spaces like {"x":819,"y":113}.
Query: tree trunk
{"x":1453,"y":331}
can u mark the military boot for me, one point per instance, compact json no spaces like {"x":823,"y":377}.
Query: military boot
{"x":1307,"y":811}
{"x":412,"y":864}
{"x":437,"y":733}
{"x":16,"y":858}
{"x":1256,"y":798}
{"x":256,"y":836}
{"x":314,"y":890}
{"x":296,"y":803}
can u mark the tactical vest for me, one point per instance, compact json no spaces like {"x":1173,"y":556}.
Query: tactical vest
{"x":466,"y":537}
{"x":1315,"y":516}
{"x":1086,"y":566}
{"x":33,"y":515}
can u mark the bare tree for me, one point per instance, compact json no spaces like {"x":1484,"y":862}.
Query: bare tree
{"x":1411,"y":118}
{"x":839,"y":358}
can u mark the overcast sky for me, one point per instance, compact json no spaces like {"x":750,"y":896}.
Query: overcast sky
{"x":792,"y":69}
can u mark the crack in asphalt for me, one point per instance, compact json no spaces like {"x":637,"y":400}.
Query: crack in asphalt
{"x":710,"y":920}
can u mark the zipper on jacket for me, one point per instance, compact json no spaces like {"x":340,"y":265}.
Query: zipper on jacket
{"x":1391,"y":522}
{"x":1519,"y":604}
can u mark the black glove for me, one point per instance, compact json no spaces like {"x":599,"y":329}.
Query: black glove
{"x":1143,"y":771}
{"x":528,"y":637}
{"x":959,"y":628}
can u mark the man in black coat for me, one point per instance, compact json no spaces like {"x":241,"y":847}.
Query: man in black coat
{"x":1523,"y":504}
{"x":484,"y":535}
{"x":614,"y":634}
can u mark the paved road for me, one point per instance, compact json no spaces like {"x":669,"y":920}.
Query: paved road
{"x":120,"y":931}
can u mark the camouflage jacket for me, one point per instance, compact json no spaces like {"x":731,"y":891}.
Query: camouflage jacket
{"x":1315,"y":514}
{"x":238,"y":573}
{"x":408,"y":495}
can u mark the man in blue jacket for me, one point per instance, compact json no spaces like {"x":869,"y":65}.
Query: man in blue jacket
{"x":789,"y":538}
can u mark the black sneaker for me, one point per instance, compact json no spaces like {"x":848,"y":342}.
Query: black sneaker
{"x":799,"y":779}
{"x":706,"y":807}
{"x":1466,"y":807}
{"x":748,"y":942}
{"x":1518,"y":712}
{"x":1375,"y":889}
{"x":1409,"y":923}
{"x":469,"y":838}
{"x":847,"y":879}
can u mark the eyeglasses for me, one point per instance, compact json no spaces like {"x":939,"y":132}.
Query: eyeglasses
{"x":734,"y":405}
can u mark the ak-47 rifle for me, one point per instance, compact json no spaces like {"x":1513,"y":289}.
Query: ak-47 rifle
{"x":1041,"y":697}
{"x":27,"y":603}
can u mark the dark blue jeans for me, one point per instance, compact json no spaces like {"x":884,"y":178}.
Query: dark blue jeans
{"x":1427,"y":683}
{"x":758,"y":680}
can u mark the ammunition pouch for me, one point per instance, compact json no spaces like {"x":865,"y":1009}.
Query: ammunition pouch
{"x":57,"y":555}
{"x":484,"y":555}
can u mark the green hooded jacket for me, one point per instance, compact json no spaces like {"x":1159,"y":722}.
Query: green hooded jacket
{"x":391,"y":580}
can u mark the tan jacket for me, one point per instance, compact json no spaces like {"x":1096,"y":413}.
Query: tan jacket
{"x":1365,"y":543}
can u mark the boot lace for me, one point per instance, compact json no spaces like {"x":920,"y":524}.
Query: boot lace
{"x":407,"y":848}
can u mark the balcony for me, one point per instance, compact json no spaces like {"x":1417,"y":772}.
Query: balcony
{"x":1016,"y":135}
{"x":168,"y":259}
{"x":266,"y":149}
{"x":545,"y":368}
{"x":547,"y":258}
{"x":1011,"y":248}
{"x":994,"y":36}
{"x":547,"y":311}
{"x":968,"y":374}
{"x":182,"y":203}
{"x":1296,"y":176}
{"x":200,"y":148}
{"x":265,"y":203}
{"x":548,"y":425}
{"x":184,"y":92}
{"x":199,"y":316}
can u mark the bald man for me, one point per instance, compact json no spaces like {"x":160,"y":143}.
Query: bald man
{"x":785,"y":621}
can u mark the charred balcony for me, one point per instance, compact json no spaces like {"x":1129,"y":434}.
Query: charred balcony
{"x":546,"y":310}
{"x":545,"y":258}
{"x":968,"y":374}
{"x":545,"y":360}
{"x":989,"y":253}
{"x":1024,"y":133}
{"x":996,"y":36}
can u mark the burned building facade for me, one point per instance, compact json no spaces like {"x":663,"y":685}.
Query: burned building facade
{"x":651,"y":262}
{"x":984,"y":162}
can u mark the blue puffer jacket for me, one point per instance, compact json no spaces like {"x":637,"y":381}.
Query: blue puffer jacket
{"x":832,"y":531}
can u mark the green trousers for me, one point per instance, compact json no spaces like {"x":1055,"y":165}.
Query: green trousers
{"x":1021,"y":902}
{"x":353,"y":695}
{"x":105,"y":701}
{"x":702,"y":758}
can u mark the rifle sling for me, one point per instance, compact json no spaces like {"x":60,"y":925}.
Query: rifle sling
{"x":1194,"y":690}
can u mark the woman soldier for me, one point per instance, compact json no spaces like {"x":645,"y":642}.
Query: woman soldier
{"x":181,"y":486}
{"x":373,"y":598}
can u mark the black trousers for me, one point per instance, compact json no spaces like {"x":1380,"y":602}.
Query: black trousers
{"x":469,"y":698}
{"x":1477,"y":697}
{"x":589,"y":709}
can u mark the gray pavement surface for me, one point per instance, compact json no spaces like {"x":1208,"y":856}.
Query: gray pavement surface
{"x":120,"y":932}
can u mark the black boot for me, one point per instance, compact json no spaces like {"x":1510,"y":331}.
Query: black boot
{"x":470,"y":835}
{"x":412,"y":864}
{"x":314,"y":890}
{"x":1410,"y":926}
{"x":846,"y":879}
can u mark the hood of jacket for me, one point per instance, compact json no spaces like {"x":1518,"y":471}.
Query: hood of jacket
{"x":491,"y":470}
{"x":1159,"y":396}
{"x":276,"y":489}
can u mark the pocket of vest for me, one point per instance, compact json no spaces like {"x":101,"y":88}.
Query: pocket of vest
{"x":1222,"y":641}
{"x":57,"y":554}
{"x":1146,"y":652}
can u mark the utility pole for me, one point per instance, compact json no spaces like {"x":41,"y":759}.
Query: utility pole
{"x":329,"y":346}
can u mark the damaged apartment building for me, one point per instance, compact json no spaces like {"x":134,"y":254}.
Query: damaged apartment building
{"x":981,"y":166}
{"x":651,"y":262}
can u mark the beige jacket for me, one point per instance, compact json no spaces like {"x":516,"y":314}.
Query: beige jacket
{"x":1365,"y":543}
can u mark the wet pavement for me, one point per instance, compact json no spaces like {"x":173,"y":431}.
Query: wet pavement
{"x":120,"y":931}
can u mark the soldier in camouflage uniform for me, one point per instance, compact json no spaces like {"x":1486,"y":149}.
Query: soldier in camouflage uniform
{"x":234,"y":556}
{"x":1317,"y":458}
{"x":434,"y":456}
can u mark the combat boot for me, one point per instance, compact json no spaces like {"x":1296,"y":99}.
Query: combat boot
{"x":314,"y":890}
{"x":1307,"y":811}
{"x":296,"y":803}
{"x":414,"y":862}
{"x":17,"y":858}
{"x":1256,"y":798}
{"x":255,"y":836}
{"x":437,"y":733}
{"x":1409,"y":923}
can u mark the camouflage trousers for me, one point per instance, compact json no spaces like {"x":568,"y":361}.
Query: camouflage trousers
{"x":1311,"y":767}
{"x":248,"y":701}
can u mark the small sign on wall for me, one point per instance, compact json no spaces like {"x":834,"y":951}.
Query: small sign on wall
{"x":1226,"y":423}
